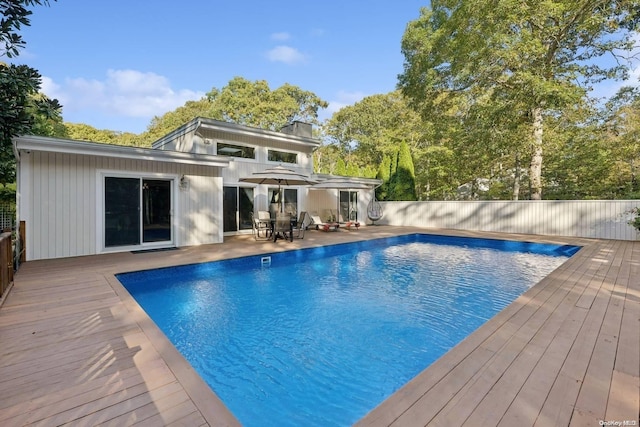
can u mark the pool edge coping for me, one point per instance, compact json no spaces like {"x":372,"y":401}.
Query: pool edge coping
{"x":203,"y":396}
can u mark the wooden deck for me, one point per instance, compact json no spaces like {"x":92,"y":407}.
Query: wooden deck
{"x":77,"y":350}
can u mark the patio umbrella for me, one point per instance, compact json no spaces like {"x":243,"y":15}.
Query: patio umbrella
{"x":280,"y":176}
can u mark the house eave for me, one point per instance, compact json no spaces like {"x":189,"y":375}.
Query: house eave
{"x":201,"y":124}
{"x":67,"y":146}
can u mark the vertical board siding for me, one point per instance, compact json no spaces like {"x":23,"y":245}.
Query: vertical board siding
{"x":61,"y":220}
{"x":602,"y":219}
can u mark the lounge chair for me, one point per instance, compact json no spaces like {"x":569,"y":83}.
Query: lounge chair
{"x":352,"y":224}
{"x":348,"y":224}
{"x":324,"y":226}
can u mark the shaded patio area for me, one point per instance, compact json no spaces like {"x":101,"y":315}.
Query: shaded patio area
{"x":77,"y":349}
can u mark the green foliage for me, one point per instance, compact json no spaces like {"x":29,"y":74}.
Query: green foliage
{"x":325,"y":158}
{"x":22,"y":109}
{"x":518,"y":64}
{"x":621,"y":131}
{"x":15,"y":15}
{"x":402,"y":180}
{"x":244,"y":102}
{"x":384,"y":174}
{"x":341,"y":167}
{"x":82,"y":132}
{"x":635,"y":222}
{"x":375,"y":126}
{"x":370,"y":132}
{"x":8,"y":194}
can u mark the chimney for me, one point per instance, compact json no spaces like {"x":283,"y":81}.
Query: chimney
{"x":298,"y":129}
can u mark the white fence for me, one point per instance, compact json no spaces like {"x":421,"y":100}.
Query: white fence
{"x":603,"y":219}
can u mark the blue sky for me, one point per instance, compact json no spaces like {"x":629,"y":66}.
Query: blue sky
{"x":115,"y":64}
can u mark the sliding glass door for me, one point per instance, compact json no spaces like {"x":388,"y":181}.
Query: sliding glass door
{"x":156,"y":210}
{"x":348,"y":206}
{"x":121,"y":211}
{"x":136,"y":211}
{"x":237,"y":208}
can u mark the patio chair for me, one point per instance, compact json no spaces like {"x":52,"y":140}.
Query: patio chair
{"x":324,"y":226}
{"x":282,"y":227}
{"x":300,"y":227}
{"x":261,"y":226}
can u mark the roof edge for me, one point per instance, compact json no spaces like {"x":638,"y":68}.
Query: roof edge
{"x":69,"y":146}
{"x":236,"y":129}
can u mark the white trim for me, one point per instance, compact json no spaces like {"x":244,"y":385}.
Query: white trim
{"x":256,"y":149}
{"x":101,"y":174}
{"x":23,"y":204}
{"x":199,"y":125}
{"x":55,"y":145}
{"x":297,"y":153}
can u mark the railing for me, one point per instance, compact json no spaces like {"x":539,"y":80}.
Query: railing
{"x":6,"y":262}
{"x":602,"y":219}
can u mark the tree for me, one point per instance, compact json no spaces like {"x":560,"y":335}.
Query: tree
{"x":374,"y":126}
{"x":579,"y":163}
{"x":622,"y":133}
{"x":244,"y":102}
{"x":20,"y":102}
{"x":403,"y":182}
{"x":83,"y":132}
{"x":384,"y":174}
{"x":533,"y":58}
{"x":22,"y":110}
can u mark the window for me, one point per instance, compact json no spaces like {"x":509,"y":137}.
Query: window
{"x":288,"y":205}
{"x":236,"y":151}
{"x":282,"y":156}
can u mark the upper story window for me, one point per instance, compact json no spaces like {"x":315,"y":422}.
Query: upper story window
{"x":236,"y":151}
{"x":282,"y":156}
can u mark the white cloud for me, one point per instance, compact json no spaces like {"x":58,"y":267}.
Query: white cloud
{"x":280,"y":36}
{"x":123,"y":93}
{"x":343,"y":99}
{"x":51,"y":89}
{"x":286,"y":54}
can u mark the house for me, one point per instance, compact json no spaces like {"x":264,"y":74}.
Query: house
{"x":83,"y":198}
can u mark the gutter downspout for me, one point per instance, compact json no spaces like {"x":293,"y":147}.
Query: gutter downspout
{"x":16,"y":255}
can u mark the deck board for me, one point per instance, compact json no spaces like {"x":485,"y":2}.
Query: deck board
{"x":78,"y":350}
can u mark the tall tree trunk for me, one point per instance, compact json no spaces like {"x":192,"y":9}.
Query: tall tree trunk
{"x":535,"y":170}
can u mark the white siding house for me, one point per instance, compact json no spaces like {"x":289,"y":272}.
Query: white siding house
{"x":83,"y":198}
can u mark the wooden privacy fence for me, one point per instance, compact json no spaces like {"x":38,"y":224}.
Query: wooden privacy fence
{"x":601,"y":219}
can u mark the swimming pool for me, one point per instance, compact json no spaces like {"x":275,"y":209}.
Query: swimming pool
{"x":321,"y":336}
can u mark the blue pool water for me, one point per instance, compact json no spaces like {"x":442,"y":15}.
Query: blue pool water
{"x":323,"y":335}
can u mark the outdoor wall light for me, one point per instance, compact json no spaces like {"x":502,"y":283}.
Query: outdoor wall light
{"x":184,"y":183}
